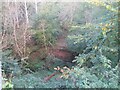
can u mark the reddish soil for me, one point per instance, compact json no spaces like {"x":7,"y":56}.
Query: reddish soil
{"x":63,"y":54}
{"x":59,"y":50}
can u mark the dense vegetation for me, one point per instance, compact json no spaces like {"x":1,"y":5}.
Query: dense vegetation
{"x":60,"y":45}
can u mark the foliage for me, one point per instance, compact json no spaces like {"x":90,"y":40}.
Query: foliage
{"x":98,"y":64}
{"x":79,"y":36}
{"x":31,"y":81}
{"x":7,"y":85}
{"x":92,"y":32}
{"x":47,"y":17}
{"x":10,"y":66}
{"x":47,"y":37}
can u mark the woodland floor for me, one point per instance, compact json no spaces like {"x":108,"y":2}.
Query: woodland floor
{"x":61,"y":42}
{"x":38,"y":77}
